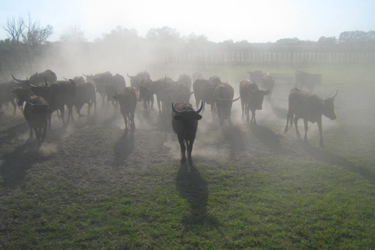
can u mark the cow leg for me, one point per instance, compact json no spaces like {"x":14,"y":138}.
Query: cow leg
{"x":31,"y":133}
{"x":132,"y":123}
{"x":287,"y":123}
{"x":319,"y":122}
{"x":14,"y":106}
{"x":247,"y":111}
{"x":183,"y":148}
{"x":44,"y":130}
{"x":253,"y":121}
{"x":305,"y":121}
{"x":242,"y":108}
{"x":296,"y":125}
{"x":189,"y":149}
{"x":62,"y":111}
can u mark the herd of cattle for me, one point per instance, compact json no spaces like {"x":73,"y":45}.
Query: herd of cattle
{"x":42,"y":94}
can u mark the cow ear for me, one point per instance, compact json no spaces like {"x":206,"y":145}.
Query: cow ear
{"x":197,"y":116}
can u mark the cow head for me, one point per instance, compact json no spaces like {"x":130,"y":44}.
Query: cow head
{"x":329,"y":108}
{"x":187,"y":117}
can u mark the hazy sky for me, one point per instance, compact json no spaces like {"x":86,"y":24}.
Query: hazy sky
{"x":254,"y":21}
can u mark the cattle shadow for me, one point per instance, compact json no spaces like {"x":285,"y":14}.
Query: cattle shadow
{"x":267,"y":137}
{"x":13,"y":132}
{"x":123,"y":147}
{"x":193,"y":187}
{"x":15,"y":164}
{"x":325,"y":156}
{"x":235,"y":137}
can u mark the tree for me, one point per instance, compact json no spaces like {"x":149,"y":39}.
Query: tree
{"x":31,"y":32}
{"x":73,"y":34}
{"x":327,"y":40}
{"x":357,"y":37}
{"x":15,"y":29}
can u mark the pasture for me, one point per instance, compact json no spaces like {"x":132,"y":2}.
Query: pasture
{"x":94,"y":185}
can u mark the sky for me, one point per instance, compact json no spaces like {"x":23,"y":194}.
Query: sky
{"x":257,"y":21}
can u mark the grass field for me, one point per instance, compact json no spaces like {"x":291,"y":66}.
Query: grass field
{"x":95,"y":186}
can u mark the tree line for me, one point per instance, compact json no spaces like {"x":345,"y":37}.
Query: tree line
{"x":28,"y":43}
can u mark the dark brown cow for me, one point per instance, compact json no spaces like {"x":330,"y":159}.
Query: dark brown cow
{"x":128,"y":102}
{"x":38,"y":79}
{"x":37,"y":112}
{"x":204,"y":91}
{"x":85,"y":94}
{"x":184,"y":80}
{"x":138,"y":78}
{"x":256,"y":76}
{"x":146,"y":94}
{"x":223,"y":96}
{"x":268,"y":82}
{"x":310,"y":108}
{"x":185,"y":124}
{"x":196,"y":75}
{"x":251,"y":99}
{"x":100,"y":80}
{"x":307,"y":80}
{"x":58,"y":94}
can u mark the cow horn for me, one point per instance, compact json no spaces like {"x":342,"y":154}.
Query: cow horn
{"x":335,"y":94}
{"x":128,"y":75}
{"x":236,"y":99}
{"x":177,"y":112}
{"x":191,"y":93}
{"x":16,"y":79}
{"x":30,"y":103}
{"x":65,"y":79}
{"x":84,"y":75}
{"x":200,"y":109}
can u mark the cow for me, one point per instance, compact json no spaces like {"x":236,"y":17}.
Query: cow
{"x":100,"y":80}
{"x":138,"y":78}
{"x":166,"y":91}
{"x":146,"y":94}
{"x":204,"y":91}
{"x":251,"y":99}
{"x":128,"y":102}
{"x":38,"y":79}
{"x":79,"y":80}
{"x":184,"y":80}
{"x":268,"y":82}
{"x":85,"y":93}
{"x":115,"y":86}
{"x":256,"y":76}
{"x":6,"y":94}
{"x":310,"y":108}
{"x":37,"y":112}
{"x":58,"y":94}
{"x":196,"y":75}
{"x":307,"y":80}
{"x":185,"y":124}
{"x":223,"y":96}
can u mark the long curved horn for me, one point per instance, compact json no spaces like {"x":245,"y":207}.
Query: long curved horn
{"x":84,"y":75}
{"x":236,"y":99}
{"x":16,"y":79}
{"x":335,"y":94}
{"x":65,"y":79}
{"x":177,"y":112}
{"x":200,"y":109}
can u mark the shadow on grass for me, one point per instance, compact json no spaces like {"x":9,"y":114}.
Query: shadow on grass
{"x":13,"y":169}
{"x":267,"y":137}
{"x":123,"y":147}
{"x":324,"y":156}
{"x":235,"y":137}
{"x":13,"y":132}
{"x":194,"y":189}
